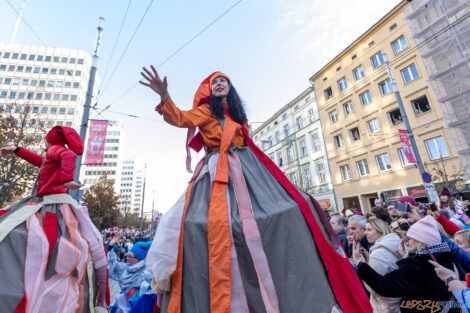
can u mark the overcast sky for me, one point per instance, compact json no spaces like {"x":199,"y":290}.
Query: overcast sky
{"x":269,"y":48}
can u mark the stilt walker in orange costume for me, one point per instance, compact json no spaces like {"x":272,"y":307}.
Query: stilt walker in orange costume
{"x":242,"y":238}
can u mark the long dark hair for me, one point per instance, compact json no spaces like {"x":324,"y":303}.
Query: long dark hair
{"x":235,"y":106}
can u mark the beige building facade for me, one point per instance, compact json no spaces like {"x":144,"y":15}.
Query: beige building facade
{"x":360,"y":117}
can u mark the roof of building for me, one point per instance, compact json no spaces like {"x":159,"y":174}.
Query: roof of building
{"x":373,"y":27}
{"x":285,"y":107}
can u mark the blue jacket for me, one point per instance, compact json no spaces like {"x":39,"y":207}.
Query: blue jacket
{"x":462,"y":257}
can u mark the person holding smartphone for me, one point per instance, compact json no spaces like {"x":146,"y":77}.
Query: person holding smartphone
{"x":414,"y":280}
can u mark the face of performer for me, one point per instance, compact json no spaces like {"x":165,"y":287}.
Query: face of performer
{"x":220,"y":87}
{"x":131,"y":259}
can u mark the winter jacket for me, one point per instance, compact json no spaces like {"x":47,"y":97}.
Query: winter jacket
{"x":57,"y":168}
{"x":128,"y":276}
{"x":462,"y":256}
{"x":342,"y":238}
{"x":382,"y":259}
{"x":415,"y":281}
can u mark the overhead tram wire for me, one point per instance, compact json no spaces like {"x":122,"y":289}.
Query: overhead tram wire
{"x":174,"y":53}
{"x":114,"y":46}
{"x":127,"y":46}
{"x":26,"y":23}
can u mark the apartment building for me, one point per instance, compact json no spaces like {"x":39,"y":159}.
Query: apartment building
{"x":361,"y":119}
{"x":131,"y":186}
{"x":49,"y":83}
{"x":293,"y":139}
{"x":441,"y":31}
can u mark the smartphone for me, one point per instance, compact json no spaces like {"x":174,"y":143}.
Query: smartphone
{"x":403,"y":207}
{"x":433,"y":206}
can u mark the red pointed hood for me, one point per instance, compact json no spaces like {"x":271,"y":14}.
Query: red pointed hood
{"x":63,"y":135}
{"x":201,"y":96}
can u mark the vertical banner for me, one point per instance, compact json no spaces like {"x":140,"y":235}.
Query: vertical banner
{"x":405,"y":143}
{"x":96,"y":141}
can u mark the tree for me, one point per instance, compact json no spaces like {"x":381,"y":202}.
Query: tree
{"x":102,"y":203}
{"x":18,"y":128}
{"x":440,"y":173}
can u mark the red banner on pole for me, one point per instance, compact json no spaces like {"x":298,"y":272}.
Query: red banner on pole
{"x":96,"y":141}
{"x":405,"y":143}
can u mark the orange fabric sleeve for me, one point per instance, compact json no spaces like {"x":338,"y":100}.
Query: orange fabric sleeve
{"x":192,"y":118}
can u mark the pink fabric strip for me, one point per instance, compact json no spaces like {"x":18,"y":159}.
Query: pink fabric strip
{"x":253,"y":236}
{"x":98,"y":255}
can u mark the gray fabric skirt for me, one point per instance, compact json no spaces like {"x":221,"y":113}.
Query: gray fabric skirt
{"x":296,"y":268}
{"x":13,"y":256}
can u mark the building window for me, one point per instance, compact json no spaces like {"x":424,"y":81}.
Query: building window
{"x":358,"y":72}
{"x":7,"y":81}
{"x":28,"y":69}
{"x":421,"y":105}
{"x":21,"y":95}
{"x":303,"y":148}
{"x":37,"y":70}
{"x":338,"y":141}
{"x":399,"y":45}
{"x":48,"y":58}
{"x":53,"y":71}
{"x":354,"y":133}
{"x":383,"y":162}
{"x":410,"y":73}
{"x":270,"y":142}
{"x":373,"y":125}
{"x":53,"y":110}
{"x":342,"y":83}
{"x":363,"y":167}
{"x":3,"y":67}
{"x":286,"y":130}
{"x":73,"y":98}
{"x":333,"y":116}
{"x":77,"y":73}
{"x":386,"y":87}
{"x":321,"y":172}
{"x":20,"y":68}
{"x":12,"y":95}
{"x":316,"y":145}
{"x":45,"y":70}
{"x":284,"y":116}
{"x":23,"y":56}
{"x":3,"y":95}
{"x":14,"y":56}
{"x":307,"y":177}
{"x":6,"y":55}
{"x":31,"y":57}
{"x":377,"y":60}
{"x":403,"y":159}
{"x":310,"y":116}
{"x":277,"y":135}
{"x":75,"y":85}
{"x":395,"y":117}
{"x":328,"y":93}
{"x":293,"y":178}
{"x":61,"y":110}
{"x":345,"y":172}
{"x":436,"y":148}
{"x":42,"y":83}
{"x":298,"y":123}
{"x":11,"y":68}
{"x":279,"y":158}
{"x":290,"y":154}
{"x":348,"y":108}
{"x":47,"y":96}
{"x":365,"y":97}
{"x":16,"y":81}
{"x":80,"y":61}
{"x":393,"y":26}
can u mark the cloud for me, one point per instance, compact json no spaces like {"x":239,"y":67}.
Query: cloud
{"x":322,"y":29}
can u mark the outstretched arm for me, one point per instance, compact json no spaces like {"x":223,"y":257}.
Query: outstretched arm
{"x":25,"y":154}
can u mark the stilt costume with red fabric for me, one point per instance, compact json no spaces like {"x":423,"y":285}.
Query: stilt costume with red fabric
{"x":52,"y":256}
{"x":243,"y":238}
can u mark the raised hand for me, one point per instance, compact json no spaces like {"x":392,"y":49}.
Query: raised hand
{"x":155,"y":82}
{"x":6,"y":150}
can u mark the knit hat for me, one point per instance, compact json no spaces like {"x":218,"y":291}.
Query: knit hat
{"x":445,"y":192}
{"x":63,"y":135}
{"x":405,"y":199}
{"x":201,"y":96}
{"x":425,"y":231}
{"x":140,"y":249}
{"x":349,"y":213}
